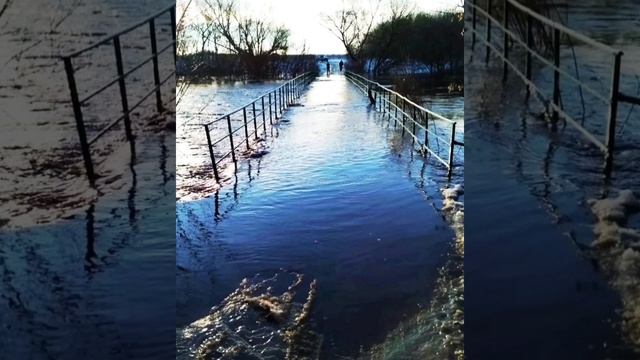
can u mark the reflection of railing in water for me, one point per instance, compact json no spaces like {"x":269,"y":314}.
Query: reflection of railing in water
{"x":390,"y":99}
{"x":77,"y":103}
{"x":509,"y":36}
{"x":279,"y":99}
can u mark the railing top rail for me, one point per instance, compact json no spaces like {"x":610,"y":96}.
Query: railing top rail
{"x":124,"y":31}
{"x":576,"y":35}
{"x":257,"y":99}
{"x":419,"y":107}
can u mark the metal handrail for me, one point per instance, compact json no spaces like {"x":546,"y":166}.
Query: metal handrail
{"x":384,"y":103}
{"x":278,"y":99}
{"x":257,"y":98}
{"x":421,"y":108}
{"x":126,"y":30}
{"x":611,"y":99}
{"x":576,"y":35}
{"x":77,"y":103}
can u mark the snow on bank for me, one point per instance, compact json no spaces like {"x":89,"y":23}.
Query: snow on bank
{"x":617,"y":248}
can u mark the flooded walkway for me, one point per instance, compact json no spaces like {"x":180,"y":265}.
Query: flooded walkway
{"x":533,"y":279}
{"x":340,"y":199}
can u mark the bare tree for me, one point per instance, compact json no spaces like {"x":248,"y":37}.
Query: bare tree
{"x":398,"y":11}
{"x":254,"y":40}
{"x":352,"y":25}
{"x":182,"y":45}
{"x":205,"y":31}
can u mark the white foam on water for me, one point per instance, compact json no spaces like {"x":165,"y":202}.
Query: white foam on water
{"x":616,"y":247}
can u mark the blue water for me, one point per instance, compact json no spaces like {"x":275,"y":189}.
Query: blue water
{"x":341,"y":198}
{"x":531,"y":280}
{"x":95,"y":285}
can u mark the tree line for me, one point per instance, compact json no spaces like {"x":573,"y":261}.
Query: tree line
{"x":225,"y":42}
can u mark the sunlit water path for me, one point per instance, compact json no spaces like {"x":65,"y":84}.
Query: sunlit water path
{"x":341,"y":199}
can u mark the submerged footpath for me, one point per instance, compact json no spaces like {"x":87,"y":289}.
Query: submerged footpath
{"x":554,"y":256}
{"x":41,"y":166}
{"x":337,"y":237}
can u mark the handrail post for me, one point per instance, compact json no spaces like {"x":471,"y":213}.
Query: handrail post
{"x":488,"y":37}
{"x":473,"y":24}
{"x":556,"y":73}
{"x":613,"y":114}
{"x":453,"y":141}
{"x":426,"y":129}
{"x":530,"y":46}
{"x":403,"y":117}
{"x":233,"y":148}
{"x":246,"y":130}
{"x":173,"y":32}
{"x":123,"y":95}
{"x":270,"y":116}
{"x":77,"y":112}
{"x":264,"y":122}
{"x":395,"y":106}
{"x":255,"y":124}
{"x":505,"y":40}
{"x":414,"y":120}
{"x":213,"y":159}
{"x":156,"y":72}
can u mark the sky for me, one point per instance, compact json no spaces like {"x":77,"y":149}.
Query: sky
{"x":304,"y":18}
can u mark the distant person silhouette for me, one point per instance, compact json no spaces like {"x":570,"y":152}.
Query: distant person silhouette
{"x":328,"y":68}
{"x":341,"y":65}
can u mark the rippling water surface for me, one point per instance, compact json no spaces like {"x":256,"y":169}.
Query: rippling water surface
{"x":341,"y":200}
{"x":533,"y":279}
{"x":83,"y":273}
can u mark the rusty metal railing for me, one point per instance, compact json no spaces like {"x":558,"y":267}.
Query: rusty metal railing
{"x":274,"y":103}
{"x":114,"y":40}
{"x":418,"y":117}
{"x":511,"y":7}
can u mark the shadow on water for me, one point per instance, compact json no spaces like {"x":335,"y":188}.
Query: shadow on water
{"x":342,"y":200}
{"x":533,"y":278}
{"x":95,"y":284}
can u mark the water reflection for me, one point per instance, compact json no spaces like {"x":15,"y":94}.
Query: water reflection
{"x":530,"y":217}
{"x":316,"y":205}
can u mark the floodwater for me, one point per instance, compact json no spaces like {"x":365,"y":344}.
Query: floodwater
{"x":83,"y":273}
{"x":534,"y":280}
{"x":42,"y":167}
{"x":203,"y":103}
{"x":330,"y":246}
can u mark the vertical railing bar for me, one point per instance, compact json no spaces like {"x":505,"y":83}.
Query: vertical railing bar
{"x":123,"y":95}
{"x":488,"y":35}
{"x":77,"y":112}
{"x":264,"y":116}
{"x":246,"y":128}
{"x":473,"y":21}
{"x":556,"y":73}
{"x":213,"y":159}
{"x":173,"y":32}
{"x":451,"y":145}
{"x":255,"y":124}
{"x":156,"y":71}
{"x":530,"y":46}
{"x":270,"y":115}
{"x":233,"y":148}
{"x":613,"y":114}
{"x":505,"y":40}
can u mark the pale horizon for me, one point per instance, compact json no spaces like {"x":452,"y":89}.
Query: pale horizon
{"x":305,"y":19}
